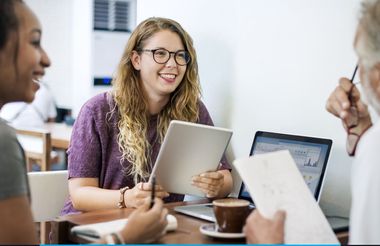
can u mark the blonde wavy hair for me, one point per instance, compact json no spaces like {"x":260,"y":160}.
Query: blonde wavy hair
{"x":131,"y":102}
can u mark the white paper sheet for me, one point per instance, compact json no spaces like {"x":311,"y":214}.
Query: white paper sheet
{"x":275,"y":183}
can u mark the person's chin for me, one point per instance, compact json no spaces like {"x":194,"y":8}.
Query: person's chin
{"x":173,"y":86}
{"x":30,"y":95}
{"x":169,"y":91}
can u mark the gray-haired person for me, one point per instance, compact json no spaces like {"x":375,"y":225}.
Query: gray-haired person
{"x":345,"y":102}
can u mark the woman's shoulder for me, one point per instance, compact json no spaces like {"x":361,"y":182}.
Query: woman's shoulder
{"x":97,"y":112}
{"x":202,"y":107}
{"x":201,"y":104}
{"x":100,"y":100}
{"x":9,"y":144}
{"x":203,"y":114}
{"x":101,"y":103}
{"x":12,"y":164}
{"x":6,"y":132}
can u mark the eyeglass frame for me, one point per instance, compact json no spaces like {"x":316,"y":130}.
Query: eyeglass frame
{"x":170,"y":55}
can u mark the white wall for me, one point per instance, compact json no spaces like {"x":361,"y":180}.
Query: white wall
{"x":57,"y":24}
{"x":69,"y":40}
{"x":82,"y":88}
{"x":264,"y":65}
{"x":297,"y":50}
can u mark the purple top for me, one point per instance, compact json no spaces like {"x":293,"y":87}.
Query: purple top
{"x":94,"y":151}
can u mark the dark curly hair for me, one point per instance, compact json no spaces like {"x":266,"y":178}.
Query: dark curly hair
{"x":8,"y":20}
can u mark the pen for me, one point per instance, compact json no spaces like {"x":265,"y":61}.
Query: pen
{"x":352,"y":87}
{"x":153,"y":191}
{"x":353,"y":76}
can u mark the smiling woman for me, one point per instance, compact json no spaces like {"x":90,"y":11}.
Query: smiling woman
{"x":117,"y":135}
{"x":22,"y":61}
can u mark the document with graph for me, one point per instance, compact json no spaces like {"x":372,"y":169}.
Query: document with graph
{"x":275,"y":183}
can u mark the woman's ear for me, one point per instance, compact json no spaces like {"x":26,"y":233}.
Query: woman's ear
{"x":136,"y":60}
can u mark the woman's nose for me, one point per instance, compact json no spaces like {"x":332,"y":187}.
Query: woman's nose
{"x":171,"y":62}
{"x":45,"y":60}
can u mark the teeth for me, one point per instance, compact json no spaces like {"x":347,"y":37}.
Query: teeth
{"x":168,"y":76}
{"x":37,"y":81}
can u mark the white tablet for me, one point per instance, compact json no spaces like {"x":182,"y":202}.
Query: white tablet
{"x":189,"y":149}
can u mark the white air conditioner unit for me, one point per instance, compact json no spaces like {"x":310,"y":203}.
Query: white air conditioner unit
{"x":113,"y":22}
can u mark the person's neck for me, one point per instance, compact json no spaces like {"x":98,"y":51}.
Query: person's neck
{"x":155,"y":105}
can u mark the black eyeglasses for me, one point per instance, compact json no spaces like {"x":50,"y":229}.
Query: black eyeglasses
{"x":353,"y":120}
{"x":162,"y":56}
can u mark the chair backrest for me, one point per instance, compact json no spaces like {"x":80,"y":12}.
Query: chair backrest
{"x":37,"y":146}
{"x":49,"y":191}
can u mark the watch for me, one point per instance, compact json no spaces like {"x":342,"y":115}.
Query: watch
{"x":121,"y":203}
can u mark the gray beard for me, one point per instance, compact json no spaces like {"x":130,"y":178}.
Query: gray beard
{"x":370,"y":94}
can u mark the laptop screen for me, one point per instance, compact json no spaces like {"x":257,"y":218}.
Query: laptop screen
{"x":310,"y":154}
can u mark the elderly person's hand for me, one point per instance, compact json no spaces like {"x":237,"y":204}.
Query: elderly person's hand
{"x":259,"y":230}
{"x":339,"y":105}
{"x":145,"y":225}
{"x":214,"y":184}
{"x":136,"y":196}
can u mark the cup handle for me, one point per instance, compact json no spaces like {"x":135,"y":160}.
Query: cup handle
{"x":216,"y":227}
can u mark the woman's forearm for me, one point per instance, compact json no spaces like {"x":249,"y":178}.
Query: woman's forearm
{"x":89,"y":198}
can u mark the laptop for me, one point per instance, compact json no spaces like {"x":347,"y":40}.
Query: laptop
{"x":310,"y":154}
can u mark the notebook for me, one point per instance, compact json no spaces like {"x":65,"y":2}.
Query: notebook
{"x":95,"y":231}
{"x":311,"y":155}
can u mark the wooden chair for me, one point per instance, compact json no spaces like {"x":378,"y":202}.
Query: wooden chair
{"x":37,"y":146}
{"x":49,"y":191}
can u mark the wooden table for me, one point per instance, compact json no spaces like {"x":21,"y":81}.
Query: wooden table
{"x":187,"y":232}
{"x":60,"y":134}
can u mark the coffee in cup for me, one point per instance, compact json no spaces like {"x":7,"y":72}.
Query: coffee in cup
{"x":230,"y":214}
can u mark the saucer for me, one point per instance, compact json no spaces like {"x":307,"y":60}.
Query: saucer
{"x":210,"y":230}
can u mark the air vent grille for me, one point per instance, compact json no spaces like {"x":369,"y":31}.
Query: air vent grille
{"x":112,"y":15}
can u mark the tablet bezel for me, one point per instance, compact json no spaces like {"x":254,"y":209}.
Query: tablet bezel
{"x":178,"y":160}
